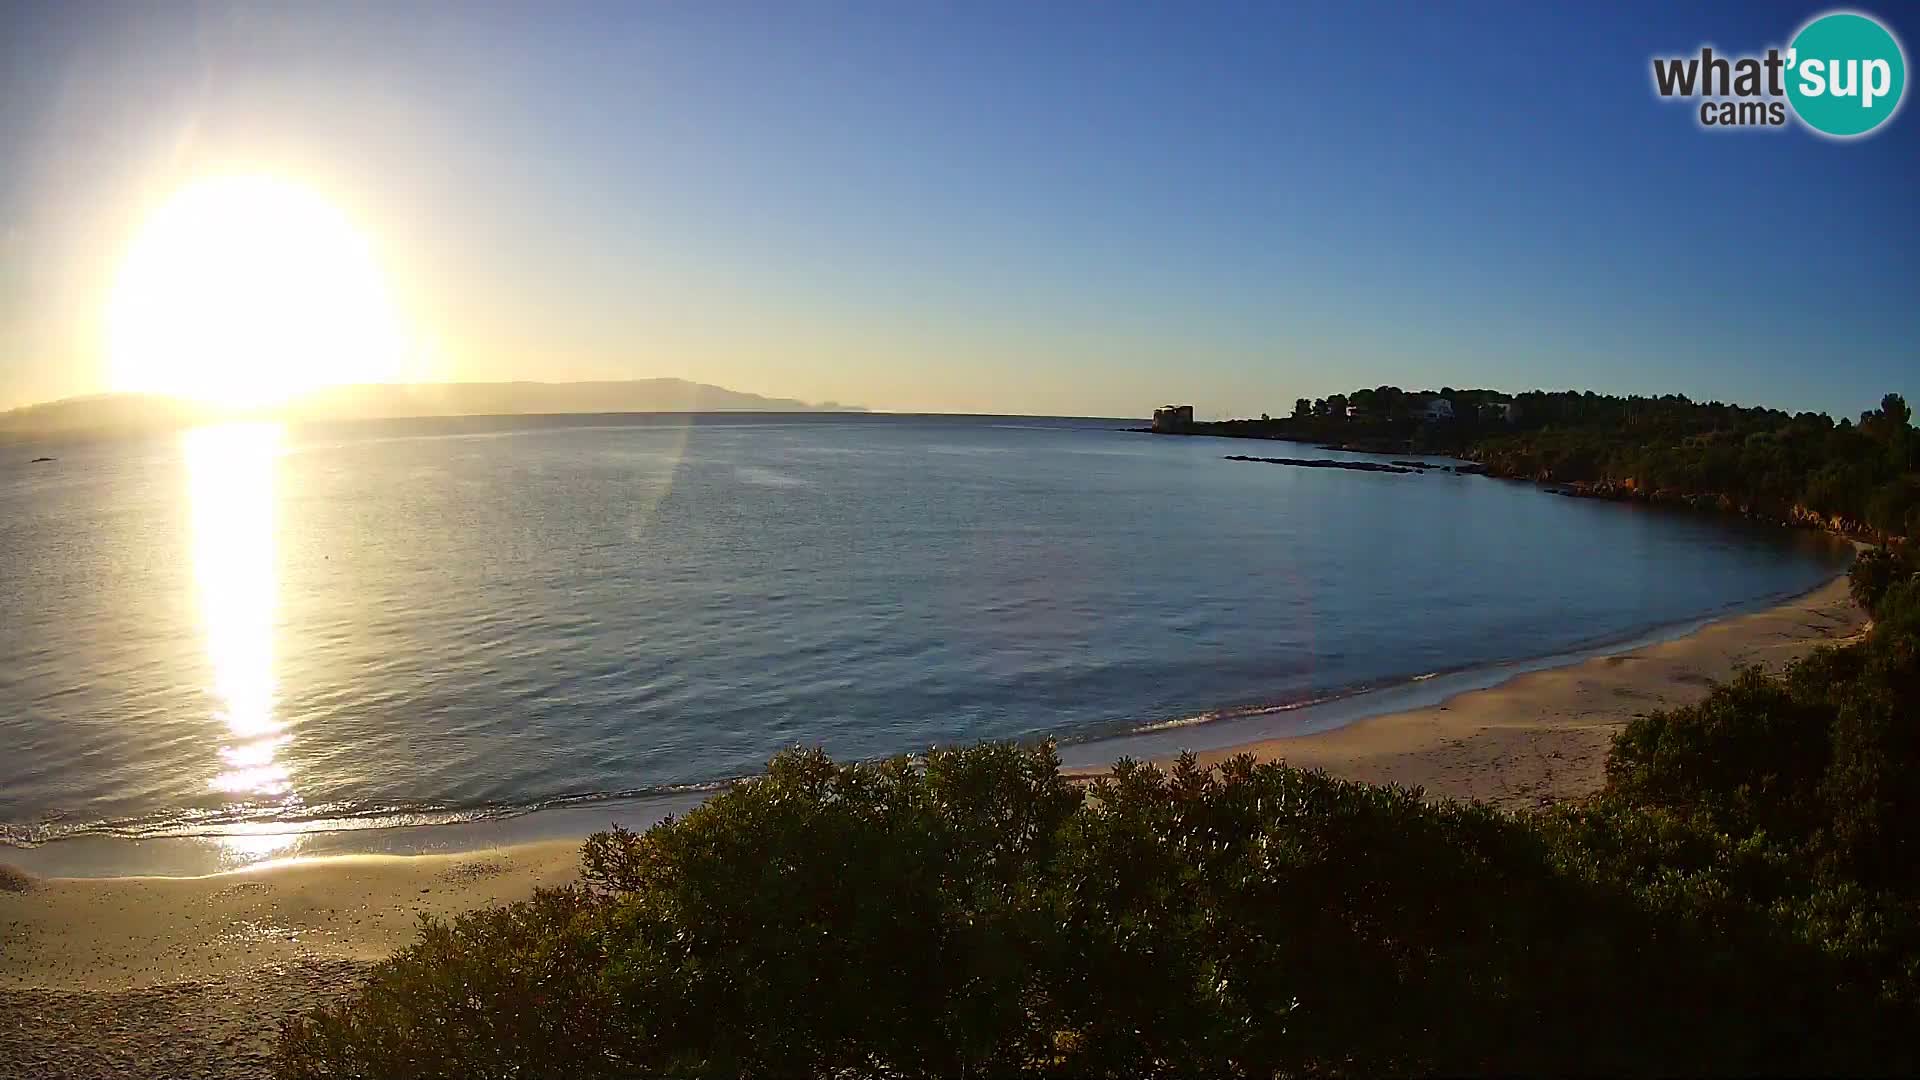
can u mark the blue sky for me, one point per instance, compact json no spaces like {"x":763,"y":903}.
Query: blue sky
{"x":1054,"y":208}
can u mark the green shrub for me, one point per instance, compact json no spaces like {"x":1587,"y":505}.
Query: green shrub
{"x":976,"y":914}
{"x":814,"y":921}
{"x":825,"y":917}
{"x":1872,"y":787}
{"x":1874,"y":572}
{"x":1750,"y":756}
{"x":1898,"y":615}
{"x":510,"y":991}
{"x":1823,"y":761}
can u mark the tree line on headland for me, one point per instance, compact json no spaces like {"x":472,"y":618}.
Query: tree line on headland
{"x":1860,"y":477}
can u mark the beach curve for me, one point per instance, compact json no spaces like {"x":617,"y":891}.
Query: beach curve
{"x":1542,"y":736}
{"x":238,"y":951}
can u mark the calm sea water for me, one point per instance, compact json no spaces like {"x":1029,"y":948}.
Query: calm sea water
{"x":430,"y":621}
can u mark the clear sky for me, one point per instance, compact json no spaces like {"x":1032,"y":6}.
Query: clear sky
{"x":1037,"y":207}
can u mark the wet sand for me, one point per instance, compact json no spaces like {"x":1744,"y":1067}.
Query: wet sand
{"x":1543,"y":737}
{"x":189,"y":977}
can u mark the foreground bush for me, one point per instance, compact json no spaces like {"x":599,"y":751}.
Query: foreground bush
{"x":1876,"y":572}
{"x":1816,"y":775}
{"x":1742,"y":898}
{"x":975,"y":914}
{"x":511,"y":991}
{"x":1823,"y":761}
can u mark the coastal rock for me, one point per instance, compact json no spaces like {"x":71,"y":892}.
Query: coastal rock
{"x":1325,"y":463}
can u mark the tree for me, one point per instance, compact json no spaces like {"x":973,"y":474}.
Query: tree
{"x":1893,"y":414}
{"x":1302,"y":408}
{"x":1337,"y":406}
{"x":1892,"y":505}
{"x":1760,"y":461}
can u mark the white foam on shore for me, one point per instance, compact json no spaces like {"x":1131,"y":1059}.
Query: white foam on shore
{"x":202,"y":854}
{"x":1249,"y":726}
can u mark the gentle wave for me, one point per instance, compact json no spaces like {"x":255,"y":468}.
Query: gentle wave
{"x":376,"y":630}
{"x":242,"y":821}
{"x":1238,"y":713}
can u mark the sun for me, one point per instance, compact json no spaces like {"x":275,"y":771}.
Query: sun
{"x":244,"y":291}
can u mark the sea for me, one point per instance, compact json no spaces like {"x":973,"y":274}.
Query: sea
{"x":255,"y":641}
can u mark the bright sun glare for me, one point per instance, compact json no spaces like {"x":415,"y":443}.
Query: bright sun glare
{"x":247,"y":290}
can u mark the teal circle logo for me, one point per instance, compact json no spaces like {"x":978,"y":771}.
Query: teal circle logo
{"x":1845,"y":74}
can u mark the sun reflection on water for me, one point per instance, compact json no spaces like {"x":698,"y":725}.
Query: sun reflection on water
{"x":244,"y":848}
{"x":230,"y":471}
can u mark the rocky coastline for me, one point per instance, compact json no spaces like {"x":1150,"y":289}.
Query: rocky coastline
{"x":1362,"y":466}
{"x":1622,"y":490}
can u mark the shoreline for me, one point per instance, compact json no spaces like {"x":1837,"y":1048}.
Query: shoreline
{"x":193,"y":975}
{"x":1219,"y":735}
{"x":1542,"y":735}
{"x":1514,"y":736}
{"x":1212,"y":735}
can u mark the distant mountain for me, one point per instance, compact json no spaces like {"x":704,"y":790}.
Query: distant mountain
{"x":151,"y":412}
{"x":104,"y":413}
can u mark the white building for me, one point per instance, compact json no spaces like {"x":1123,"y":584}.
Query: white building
{"x":1173,"y":418}
{"x":1438,"y":408}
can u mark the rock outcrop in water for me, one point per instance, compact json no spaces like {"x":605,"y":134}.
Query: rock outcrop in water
{"x":1326,"y":463}
{"x":1366,"y":466}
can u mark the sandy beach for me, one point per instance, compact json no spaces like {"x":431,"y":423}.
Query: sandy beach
{"x":188,"y":977}
{"x":1543,"y":736}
